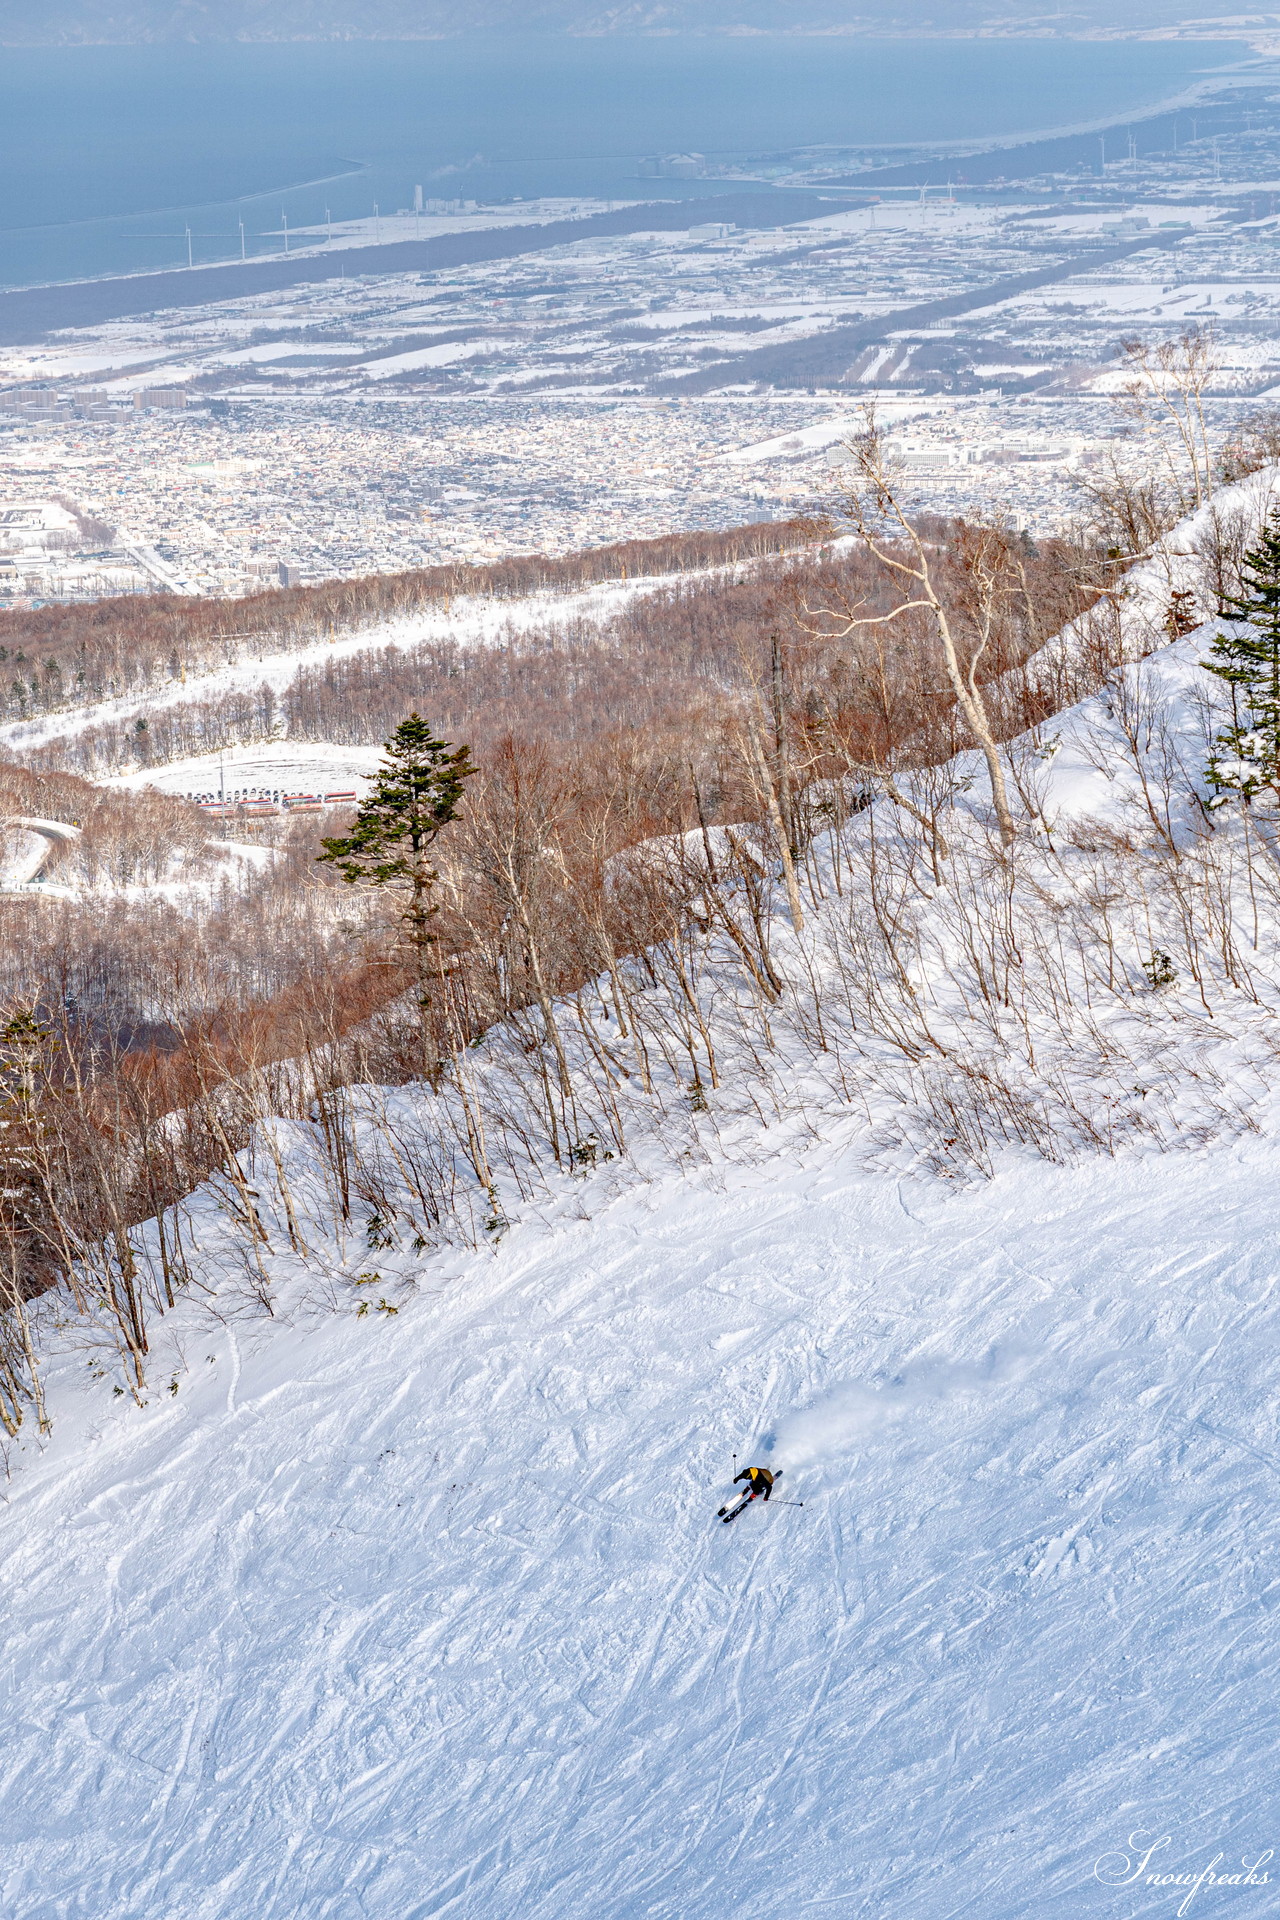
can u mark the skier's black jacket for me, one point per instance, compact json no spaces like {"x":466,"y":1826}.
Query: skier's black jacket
{"x":759,"y":1479}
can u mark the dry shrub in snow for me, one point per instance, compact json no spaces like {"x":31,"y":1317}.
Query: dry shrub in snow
{"x":790,"y":920}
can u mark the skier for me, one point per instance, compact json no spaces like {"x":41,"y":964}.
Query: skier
{"x":759,"y":1486}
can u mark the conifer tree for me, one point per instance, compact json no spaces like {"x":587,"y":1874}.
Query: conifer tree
{"x":1246,"y":754}
{"x":415,"y":795}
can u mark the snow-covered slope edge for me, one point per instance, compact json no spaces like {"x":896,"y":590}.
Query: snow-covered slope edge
{"x":1196,"y":558}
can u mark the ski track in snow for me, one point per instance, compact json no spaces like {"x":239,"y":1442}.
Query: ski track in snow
{"x":431,"y":1615}
{"x":474,"y":620}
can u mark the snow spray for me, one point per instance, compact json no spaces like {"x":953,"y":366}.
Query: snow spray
{"x":848,"y":1413}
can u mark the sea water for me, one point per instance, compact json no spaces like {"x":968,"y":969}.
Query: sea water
{"x":109,"y":154}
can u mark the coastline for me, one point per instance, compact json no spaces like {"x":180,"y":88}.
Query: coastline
{"x":1247,"y":68}
{"x":1216,"y":79}
{"x":27,"y":314}
{"x":397,"y":258}
{"x":351,"y":171}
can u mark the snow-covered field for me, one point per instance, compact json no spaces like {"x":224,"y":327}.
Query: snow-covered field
{"x":290,"y":766}
{"x":430,"y":1613}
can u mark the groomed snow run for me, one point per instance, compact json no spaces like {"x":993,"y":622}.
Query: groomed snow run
{"x":429,"y":1614}
{"x":474,"y":620}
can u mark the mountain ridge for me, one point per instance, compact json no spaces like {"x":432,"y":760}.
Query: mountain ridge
{"x":152,"y":22}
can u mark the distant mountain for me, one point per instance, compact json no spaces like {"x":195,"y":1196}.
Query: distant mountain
{"x":88,"y":22}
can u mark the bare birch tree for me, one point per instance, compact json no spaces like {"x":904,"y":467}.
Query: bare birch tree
{"x":1166,"y":387}
{"x":875,"y":511}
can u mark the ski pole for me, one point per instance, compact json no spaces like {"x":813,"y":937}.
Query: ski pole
{"x":791,"y":1503}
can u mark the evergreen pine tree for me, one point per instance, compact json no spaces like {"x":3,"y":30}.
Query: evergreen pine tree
{"x":1180,"y":617}
{"x":1246,"y":754}
{"x":415,"y":795}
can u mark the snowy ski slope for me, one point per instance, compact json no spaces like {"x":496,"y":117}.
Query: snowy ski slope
{"x":473,"y":620}
{"x":429,"y":1614}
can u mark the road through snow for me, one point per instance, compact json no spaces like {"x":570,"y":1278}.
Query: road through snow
{"x":44,"y":836}
{"x":429,"y":1614}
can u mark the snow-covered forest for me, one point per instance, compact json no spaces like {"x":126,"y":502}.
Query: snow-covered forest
{"x":883,"y":1091}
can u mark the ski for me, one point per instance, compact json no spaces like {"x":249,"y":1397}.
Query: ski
{"x":727,"y":1514}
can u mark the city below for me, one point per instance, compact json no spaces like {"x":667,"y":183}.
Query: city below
{"x":626,"y":384}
